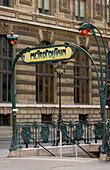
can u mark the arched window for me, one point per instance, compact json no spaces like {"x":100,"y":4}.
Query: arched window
{"x":44,"y":81}
{"x":81,"y":78}
{"x":5,"y":70}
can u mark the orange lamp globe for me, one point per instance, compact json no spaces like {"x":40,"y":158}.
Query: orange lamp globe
{"x":12,"y":42}
{"x":84,"y":31}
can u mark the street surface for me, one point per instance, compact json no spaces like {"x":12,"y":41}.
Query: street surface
{"x":47,"y":163}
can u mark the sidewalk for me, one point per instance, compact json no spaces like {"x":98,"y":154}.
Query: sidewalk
{"x":50,"y":163}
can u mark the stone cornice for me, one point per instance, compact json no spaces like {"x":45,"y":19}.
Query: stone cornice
{"x":18,"y":105}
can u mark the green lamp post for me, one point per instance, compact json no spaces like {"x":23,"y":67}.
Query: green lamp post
{"x":14,"y":143}
{"x":85,"y":28}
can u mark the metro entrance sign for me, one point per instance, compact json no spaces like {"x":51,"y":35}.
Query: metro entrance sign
{"x":45,"y":54}
{"x":54,"y":53}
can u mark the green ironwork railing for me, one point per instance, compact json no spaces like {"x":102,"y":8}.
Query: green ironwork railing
{"x":47,"y":133}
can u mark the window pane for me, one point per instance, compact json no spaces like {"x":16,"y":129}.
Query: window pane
{"x":40,"y":3}
{"x":81,"y":73}
{"x":4,"y":87}
{"x":4,"y":120}
{"x":46,"y":118}
{"x":41,"y":68}
{"x":87,"y":92}
{"x":40,"y":89}
{"x":83,"y":95}
{"x":47,"y":5}
{"x":51,"y":69}
{"x":109,"y":74}
{"x":47,"y":68}
{"x":37,"y":89}
{"x":4,"y":65}
{"x":9,"y":65}
{"x":51,"y":90}
{"x":46,"y":89}
{"x":82,"y":9}
{"x":107,"y":2}
{"x":107,"y":15}
{"x":4,"y":47}
{"x":5,"y":2}
{"x":9,"y":88}
{"x":76,"y":8}
{"x":44,"y":83}
{"x":109,"y":60}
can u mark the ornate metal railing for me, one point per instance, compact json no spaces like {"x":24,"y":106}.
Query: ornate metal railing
{"x":48,"y":133}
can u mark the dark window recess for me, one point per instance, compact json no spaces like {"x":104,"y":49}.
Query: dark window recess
{"x":4,"y":120}
{"x":83,"y":117}
{"x":46,"y":118}
{"x":5,"y":2}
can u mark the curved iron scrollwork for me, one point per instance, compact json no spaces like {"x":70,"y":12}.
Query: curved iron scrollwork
{"x":45,"y":132}
{"x":26,"y":130}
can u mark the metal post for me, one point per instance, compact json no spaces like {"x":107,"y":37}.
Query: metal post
{"x":14,"y":142}
{"x":60,"y":144}
{"x":102,"y":85}
{"x":60,"y":114}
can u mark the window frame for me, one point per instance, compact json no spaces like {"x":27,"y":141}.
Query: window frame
{"x":5,"y":72}
{"x":42,"y":9}
{"x":108,"y":7}
{"x":108,"y":66}
{"x":43,"y":76}
{"x":4,"y":120}
{"x":2,"y":3}
{"x":82,"y":80}
{"x":78,"y":17}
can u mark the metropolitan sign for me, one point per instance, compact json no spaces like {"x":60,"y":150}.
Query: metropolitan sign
{"x":48,"y":53}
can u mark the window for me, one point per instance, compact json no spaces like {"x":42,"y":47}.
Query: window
{"x":44,"y":6}
{"x":44,"y":83}
{"x":81,"y":78}
{"x":109,"y":66}
{"x":4,"y":120}
{"x":5,"y":71}
{"x":83,"y":117}
{"x":108,"y":12}
{"x":4,"y":2}
{"x":80,"y":9}
{"x":46,"y":118}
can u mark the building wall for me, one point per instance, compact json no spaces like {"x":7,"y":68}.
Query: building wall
{"x":23,"y":18}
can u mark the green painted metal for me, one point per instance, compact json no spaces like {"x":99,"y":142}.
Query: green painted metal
{"x":14,"y":142}
{"x":26,"y":129}
{"x":98,"y":131}
{"x":102,"y":85}
{"x":36,"y":126}
{"x":80,"y":131}
{"x":63,"y":128}
{"x":45,"y":132}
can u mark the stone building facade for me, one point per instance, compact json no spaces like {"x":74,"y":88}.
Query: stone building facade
{"x":45,"y":22}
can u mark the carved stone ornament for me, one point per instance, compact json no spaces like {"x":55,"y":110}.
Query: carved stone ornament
{"x":64,"y":6}
{"x":97,"y":8}
{"x":4,"y":28}
{"x":83,"y":40}
{"x":63,"y":36}
{"x":46,"y":35}
{"x":26,"y":2}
